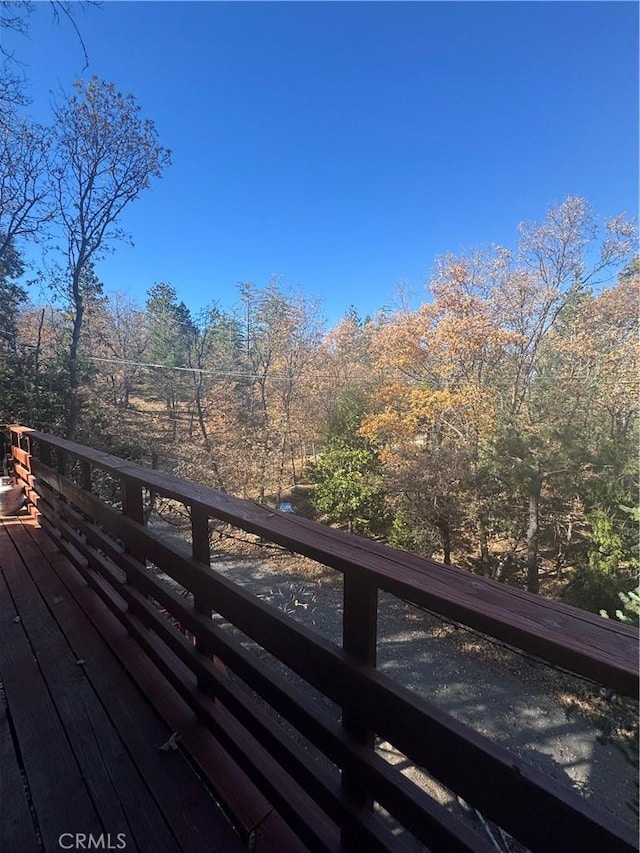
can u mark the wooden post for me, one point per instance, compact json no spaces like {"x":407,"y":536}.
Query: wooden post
{"x":201,"y":552}
{"x":61,"y":462}
{"x":25,"y":443}
{"x":27,"y":446}
{"x":359,"y":636}
{"x":44,"y":453}
{"x":133,"y":508}
{"x":15,"y":438}
{"x":85,"y":475}
{"x":152,"y":495}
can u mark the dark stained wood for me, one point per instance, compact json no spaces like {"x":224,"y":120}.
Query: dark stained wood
{"x":85,"y":475}
{"x":200,"y":534}
{"x":538,"y":811}
{"x":164,"y":805}
{"x":62,"y":460}
{"x":17,"y":831}
{"x":603,"y":650}
{"x":444,"y":831}
{"x":429,"y":821}
{"x":201,"y":552}
{"x":301,"y":813}
{"x":247,"y":807}
{"x":495,"y":786}
{"x":133,"y":508}
{"x":188,"y":809}
{"x":99,"y":752}
{"x":55,"y":780}
{"x":44,"y":453}
{"x":359,"y":633}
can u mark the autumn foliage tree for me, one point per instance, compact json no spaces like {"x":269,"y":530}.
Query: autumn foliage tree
{"x":494,"y":426}
{"x":280,"y":336}
{"x":487,"y":400}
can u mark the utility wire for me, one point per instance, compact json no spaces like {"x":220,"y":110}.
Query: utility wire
{"x":252,"y":375}
{"x":243,"y":374}
{"x":198,"y":370}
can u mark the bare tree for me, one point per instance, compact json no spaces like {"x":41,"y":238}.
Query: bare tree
{"x":24,"y":145}
{"x":105,"y":155}
{"x":14,"y":17}
{"x":24,"y":196}
{"x":121,"y":331}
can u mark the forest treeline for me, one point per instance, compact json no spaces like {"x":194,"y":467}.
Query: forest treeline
{"x":495,"y":426}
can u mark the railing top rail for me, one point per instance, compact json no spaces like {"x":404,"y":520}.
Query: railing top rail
{"x":603,"y":650}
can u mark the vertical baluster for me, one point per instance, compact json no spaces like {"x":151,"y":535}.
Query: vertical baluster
{"x":44,"y":453}
{"x":359,"y":636}
{"x":61,"y":462}
{"x":133,"y":508}
{"x":85,"y":476}
{"x":15,"y":442}
{"x":61,"y":468}
{"x":25,"y":443}
{"x":202,"y":554}
{"x":152,"y":495}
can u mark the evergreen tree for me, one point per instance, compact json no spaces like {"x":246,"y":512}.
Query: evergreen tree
{"x":171,"y":332}
{"x":12,"y":392}
{"x":349,"y":487}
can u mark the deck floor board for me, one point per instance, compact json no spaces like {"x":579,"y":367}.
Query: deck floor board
{"x":17,"y":829}
{"x":173,"y":783}
{"x":58,"y":791}
{"x":87,"y":739}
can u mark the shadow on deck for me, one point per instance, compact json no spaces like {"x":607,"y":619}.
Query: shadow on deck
{"x":82,"y":750}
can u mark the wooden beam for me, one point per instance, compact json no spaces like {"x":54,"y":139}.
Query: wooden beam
{"x":359,"y":637}
{"x":201,"y":552}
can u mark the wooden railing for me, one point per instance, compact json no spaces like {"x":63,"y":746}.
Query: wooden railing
{"x":111,"y":547}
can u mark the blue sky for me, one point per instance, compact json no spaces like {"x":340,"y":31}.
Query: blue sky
{"x":343,"y":146}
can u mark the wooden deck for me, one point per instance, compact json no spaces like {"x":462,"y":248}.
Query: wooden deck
{"x":101,"y":660}
{"x":80,"y":746}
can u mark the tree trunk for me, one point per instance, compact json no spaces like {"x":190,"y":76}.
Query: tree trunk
{"x":445,"y":535}
{"x":73,"y":412}
{"x":484,"y":546}
{"x":32,"y":395}
{"x":533,"y":581}
{"x":201,"y":418}
{"x":126,"y":392}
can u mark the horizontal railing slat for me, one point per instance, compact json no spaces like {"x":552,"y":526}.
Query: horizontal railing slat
{"x":508,"y":791}
{"x":537,"y":810}
{"x":603,"y":650}
{"x":422,"y":815}
{"x":238,"y":743}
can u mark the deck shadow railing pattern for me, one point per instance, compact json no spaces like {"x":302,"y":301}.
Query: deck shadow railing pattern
{"x":111,"y":547}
